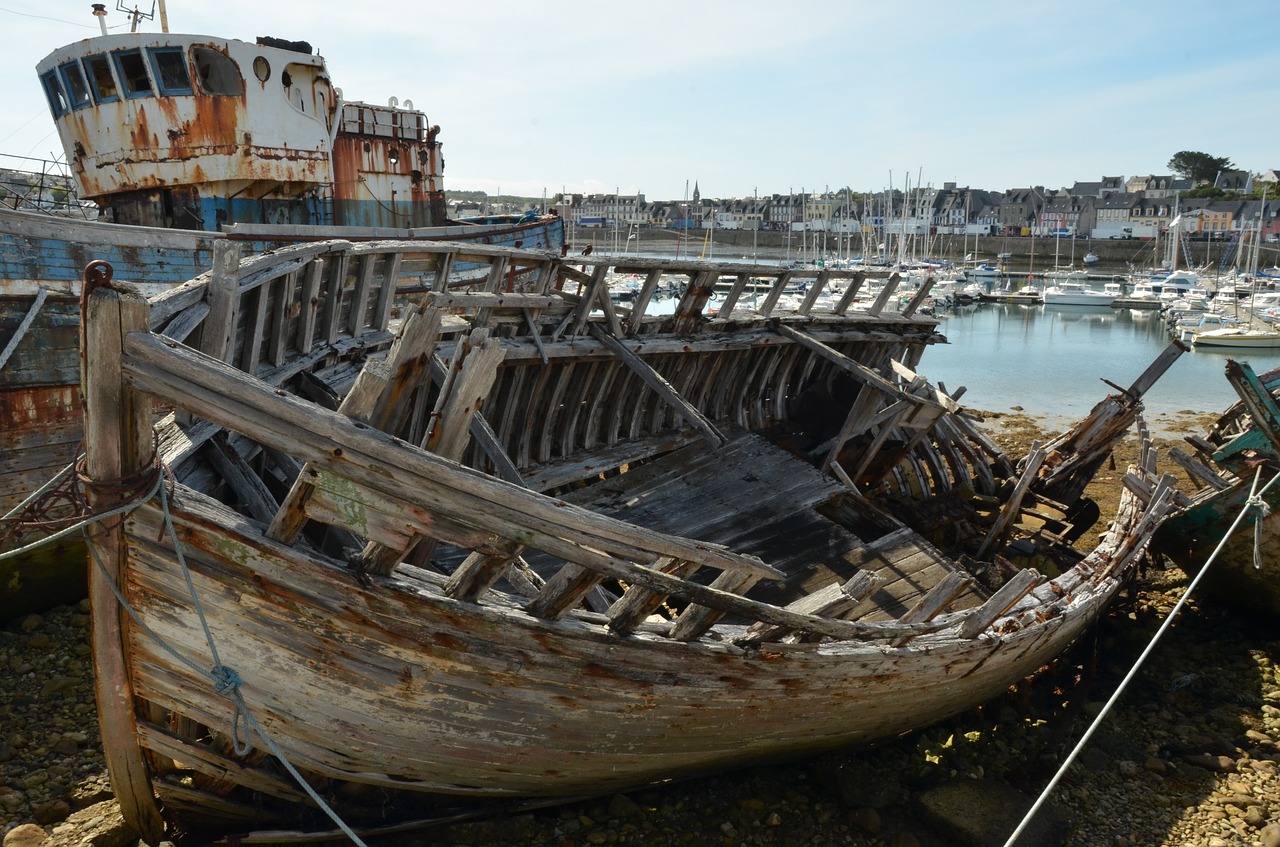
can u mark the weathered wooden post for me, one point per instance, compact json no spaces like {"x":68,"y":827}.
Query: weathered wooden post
{"x":118,"y":445}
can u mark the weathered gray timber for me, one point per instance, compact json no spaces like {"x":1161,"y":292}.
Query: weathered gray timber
{"x":42,"y":260}
{"x":1238,"y":457}
{"x":509,"y":538}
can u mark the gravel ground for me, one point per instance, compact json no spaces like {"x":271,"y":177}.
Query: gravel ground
{"x":1187,"y":757}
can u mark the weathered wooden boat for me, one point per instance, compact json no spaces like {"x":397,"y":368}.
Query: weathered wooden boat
{"x":185,"y":141}
{"x":1234,"y":460}
{"x":534,"y":545}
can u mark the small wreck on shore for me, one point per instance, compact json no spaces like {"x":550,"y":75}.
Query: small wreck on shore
{"x":1235,"y":463}
{"x":386,"y":551}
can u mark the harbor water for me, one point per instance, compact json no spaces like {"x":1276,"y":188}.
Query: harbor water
{"x":1050,"y":361}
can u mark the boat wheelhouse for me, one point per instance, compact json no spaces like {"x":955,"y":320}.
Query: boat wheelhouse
{"x":194,"y":132}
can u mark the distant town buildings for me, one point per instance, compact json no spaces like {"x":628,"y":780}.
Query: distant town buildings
{"x":1140,"y":206}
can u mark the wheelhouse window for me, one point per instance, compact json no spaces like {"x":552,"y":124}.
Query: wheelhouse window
{"x":170,"y":68}
{"x":216,"y":73}
{"x":101,"y":80}
{"x":77,"y":90}
{"x":133,"y":73}
{"x":53,"y":91}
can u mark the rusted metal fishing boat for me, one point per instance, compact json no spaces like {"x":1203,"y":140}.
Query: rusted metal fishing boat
{"x":534,"y":544}
{"x":182,"y":142}
{"x":1236,"y":458}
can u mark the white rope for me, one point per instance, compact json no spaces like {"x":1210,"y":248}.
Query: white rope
{"x":1255,"y":498}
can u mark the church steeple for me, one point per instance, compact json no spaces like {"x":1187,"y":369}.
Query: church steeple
{"x":697,"y":195}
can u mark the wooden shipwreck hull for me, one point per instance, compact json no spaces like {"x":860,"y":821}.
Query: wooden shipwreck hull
{"x":534,"y":544}
{"x":1238,"y":456}
{"x":42,"y":258}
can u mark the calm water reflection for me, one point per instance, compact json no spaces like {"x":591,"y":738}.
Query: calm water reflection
{"x":1050,"y":360}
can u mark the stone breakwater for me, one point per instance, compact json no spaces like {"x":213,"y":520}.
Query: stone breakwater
{"x":1188,"y":758}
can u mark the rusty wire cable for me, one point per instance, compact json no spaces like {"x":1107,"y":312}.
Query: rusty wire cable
{"x":62,"y":505}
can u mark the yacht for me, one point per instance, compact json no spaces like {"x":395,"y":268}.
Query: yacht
{"x":1076,"y":294}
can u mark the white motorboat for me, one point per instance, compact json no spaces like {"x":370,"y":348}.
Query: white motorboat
{"x":1075,"y":294}
{"x":1238,"y":338}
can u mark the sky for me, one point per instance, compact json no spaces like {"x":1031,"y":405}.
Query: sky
{"x":747,"y":96}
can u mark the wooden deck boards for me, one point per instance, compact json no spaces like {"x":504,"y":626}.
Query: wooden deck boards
{"x":759,"y":499}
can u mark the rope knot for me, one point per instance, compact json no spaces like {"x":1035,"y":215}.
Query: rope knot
{"x":1255,"y":501}
{"x":228,"y":681}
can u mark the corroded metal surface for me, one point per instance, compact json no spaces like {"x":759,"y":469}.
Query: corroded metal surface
{"x":260,"y":131}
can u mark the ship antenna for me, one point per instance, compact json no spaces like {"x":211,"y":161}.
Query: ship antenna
{"x":135,"y":15}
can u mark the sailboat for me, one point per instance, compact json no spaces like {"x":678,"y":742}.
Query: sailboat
{"x":1090,"y":258}
{"x":1246,"y":336}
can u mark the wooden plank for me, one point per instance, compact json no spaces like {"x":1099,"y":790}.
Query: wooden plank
{"x":664,"y":389}
{"x":689,"y":314}
{"x":21,"y":331}
{"x":478,"y":573}
{"x":237,"y":474}
{"x":637,"y":603}
{"x":815,"y":291}
{"x":310,"y":306}
{"x":919,"y":298}
{"x":386,"y":292}
{"x":223,"y":297}
{"x":882,"y":300}
{"x":485,"y":300}
{"x":365,"y":266}
{"x":934,"y":603}
{"x":590,"y":293}
{"x":1199,"y":471}
{"x":186,"y":321}
{"x":475,"y":365}
{"x":641,"y":304}
{"x":834,"y":601}
{"x":997,"y":604}
{"x":694,"y":622}
{"x":255,"y":328}
{"x":780,"y":283}
{"x":285,"y":308}
{"x":118,"y":445}
{"x":1014,"y":503}
{"x":335,"y":284}
{"x":850,"y":292}
{"x":565,"y":590}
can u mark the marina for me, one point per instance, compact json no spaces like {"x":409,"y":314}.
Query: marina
{"x":1046,"y":360}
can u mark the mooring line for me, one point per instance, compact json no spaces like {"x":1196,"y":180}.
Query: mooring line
{"x":226,"y":680}
{"x":1255,"y":501}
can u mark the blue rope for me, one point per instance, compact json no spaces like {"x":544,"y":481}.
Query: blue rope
{"x":226,"y":680}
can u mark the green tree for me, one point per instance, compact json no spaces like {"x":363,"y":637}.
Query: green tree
{"x":1198,"y":166}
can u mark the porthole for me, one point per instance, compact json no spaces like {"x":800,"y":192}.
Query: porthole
{"x":262,"y":68}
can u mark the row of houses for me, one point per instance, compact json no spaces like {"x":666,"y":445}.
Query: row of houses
{"x":1112,"y":207}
